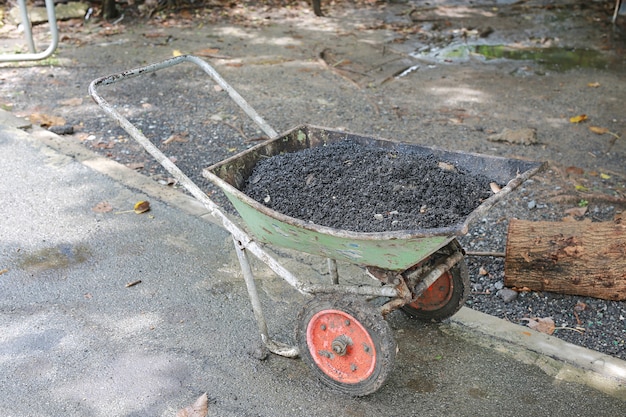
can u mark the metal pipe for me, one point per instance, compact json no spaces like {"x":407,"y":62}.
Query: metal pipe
{"x":241,"y":102}
{"x":437,"y":272}
{"x":273,"y":346}
{"x":383,"y":291}
{"x":28,"y":30}
{"x":332,"y":269}
{"x":33,"y":56}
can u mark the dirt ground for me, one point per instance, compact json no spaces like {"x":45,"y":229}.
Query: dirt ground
{"x":526,"y":79}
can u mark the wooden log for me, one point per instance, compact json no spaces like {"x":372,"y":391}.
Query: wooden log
{"x":577,"y":258}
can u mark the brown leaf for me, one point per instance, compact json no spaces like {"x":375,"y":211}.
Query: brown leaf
{"x":141,"y":207}
{"x":46,"y":120}
{"x":198,"y":409}
{"x":102,"y":207}
{"x":574,"y":170}
{"x":578,"y":119}
{"x":135,"y":165}
{"x":543,"y":325}
{"x":207,"y":52}
{"x":483,"y":271}
{"x":599,"y":130}
{"x":176,"y":137}
{"x":527,"y":136}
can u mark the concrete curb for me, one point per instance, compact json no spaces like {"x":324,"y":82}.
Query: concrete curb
{"x":560,"y":359}
{"x":563,"y":360}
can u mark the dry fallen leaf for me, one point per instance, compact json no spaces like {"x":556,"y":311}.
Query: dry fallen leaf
{"x":599,"y":130}
{"x":176,"y":137}
{"x":526,"y":136}
{"x":483,"y":271}
{"x":495,"y":188}
{"x":574,"y":170}
{"x":102,"y":207}
{"x":198,"y":409}
{"x":46,"y":120}
{"x":593,"y":85}
{"x":578,"y":119}
{"x":135,"y":165}
{"x":207,"y":52}
{"x":141,"y":207}
{"x":543,"y":325}
{"x":176,"y":53}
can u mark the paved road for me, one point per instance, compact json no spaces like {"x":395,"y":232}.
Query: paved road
{"x":76,"y":341}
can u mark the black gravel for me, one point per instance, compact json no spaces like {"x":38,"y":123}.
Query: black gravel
{"x":353,"y":186}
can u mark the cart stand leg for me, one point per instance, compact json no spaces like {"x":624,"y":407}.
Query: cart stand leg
{"x":273,"y":346}
{"x":332,"y":269}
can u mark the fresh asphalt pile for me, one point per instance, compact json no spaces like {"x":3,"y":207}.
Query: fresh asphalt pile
{"x":362,"y":188}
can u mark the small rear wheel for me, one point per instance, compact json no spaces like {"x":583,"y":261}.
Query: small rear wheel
{"x":347,"y":344}
{"x":444,"y":297}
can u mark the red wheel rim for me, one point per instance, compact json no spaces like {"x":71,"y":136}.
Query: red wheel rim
{"x":436,"y":296}
{"x":340,"y":346}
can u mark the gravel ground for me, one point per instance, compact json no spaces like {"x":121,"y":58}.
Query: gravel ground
{"x":454,"y":105}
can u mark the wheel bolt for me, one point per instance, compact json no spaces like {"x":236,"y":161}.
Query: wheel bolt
{"x":347,"y":322}
{"x":323,"y":327}
{"x":353,"y":367}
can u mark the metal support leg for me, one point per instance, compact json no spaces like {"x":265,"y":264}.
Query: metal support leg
{"x":618,"y":4}
{"x":332,"y":270}
{"x":273,"y":346}
{"x":33,"y":56}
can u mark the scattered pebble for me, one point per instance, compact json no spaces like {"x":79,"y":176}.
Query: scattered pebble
{"x":507,"y":295}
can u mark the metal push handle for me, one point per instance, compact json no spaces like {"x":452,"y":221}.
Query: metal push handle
{"x":175,"y":61}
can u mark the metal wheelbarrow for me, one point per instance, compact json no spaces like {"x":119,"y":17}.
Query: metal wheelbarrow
{"x":343,"y":337}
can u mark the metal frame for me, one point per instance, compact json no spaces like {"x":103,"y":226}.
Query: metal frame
{"x":34,"y":55}
{"x":398,"y":291}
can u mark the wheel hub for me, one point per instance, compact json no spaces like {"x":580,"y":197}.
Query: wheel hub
{"x":340,"y":346}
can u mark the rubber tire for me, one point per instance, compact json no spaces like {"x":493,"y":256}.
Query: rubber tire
{"x":460,"y":291}
{"x":375,"y":325}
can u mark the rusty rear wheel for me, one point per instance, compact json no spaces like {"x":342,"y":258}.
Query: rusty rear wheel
{"x":444,"y":298}
{"x":347,"y":344}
